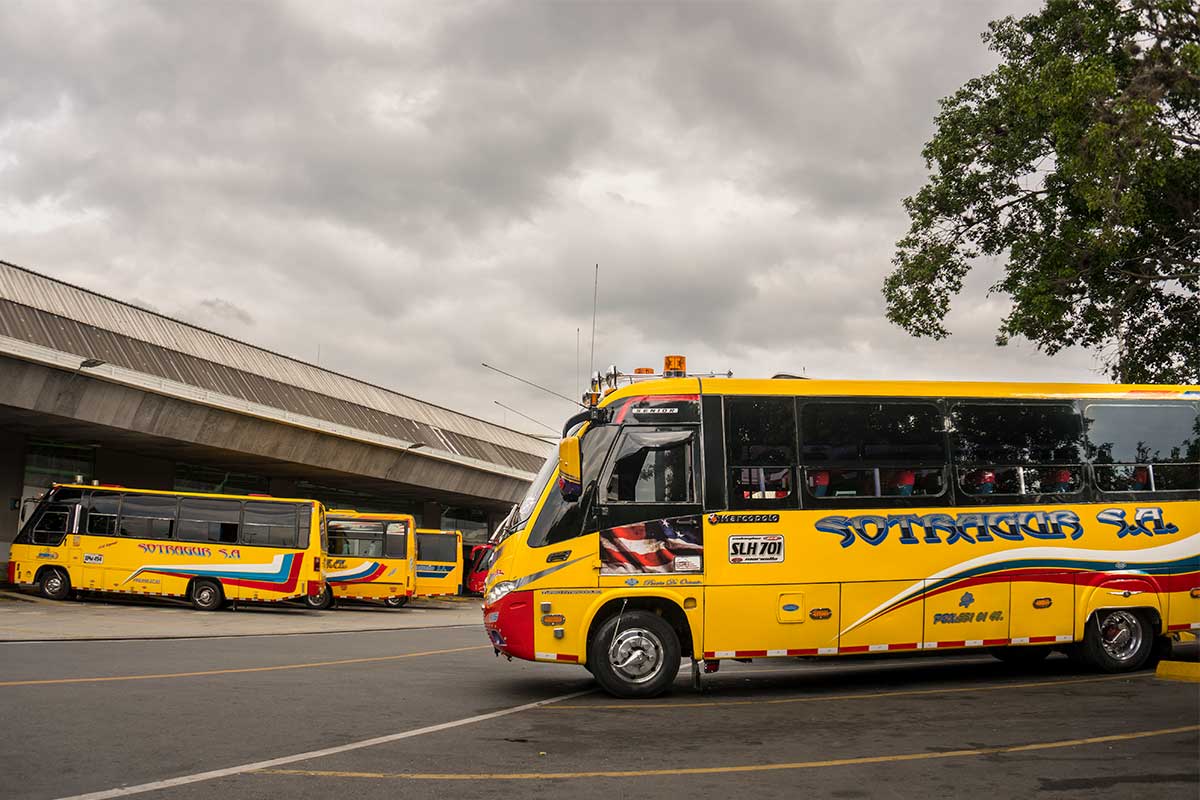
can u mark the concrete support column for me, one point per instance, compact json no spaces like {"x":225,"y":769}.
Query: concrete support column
{"x":431,"y":515}
{"x":12,"y":481}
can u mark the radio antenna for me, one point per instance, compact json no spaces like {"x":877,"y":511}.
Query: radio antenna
{"x":577,"y":391}
{"x":595,"y":295}
{"x":534,"y":385}
{"x":526,"y":416}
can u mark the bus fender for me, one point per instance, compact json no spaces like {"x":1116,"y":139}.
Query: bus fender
{"x":687,"y":607}
{"x":1108,"y":590}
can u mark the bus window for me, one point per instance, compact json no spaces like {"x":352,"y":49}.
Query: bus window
{"x":356,"y":538}
{"x":272,"y":524}
{"x":653,"y":466}
{"x":102,"y":514}
{"x":205,"y":520}
{"x":1017,"y":448}
{"x":51,"y":525}
{"x":148,"y":516}
{"x":439,"y":547}
{"x":1144,"y":447}
{"x":396,"y":540}
{"x":856,"y":450}
{"x":760,"y":450}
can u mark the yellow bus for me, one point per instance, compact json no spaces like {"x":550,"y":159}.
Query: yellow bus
{"x":208,"y":548}
{"x":370,"y":557}
{"x":439,"y":563}
{"x":717,"y":518}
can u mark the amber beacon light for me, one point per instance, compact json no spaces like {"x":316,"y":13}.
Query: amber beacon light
{"x":674,"y":367}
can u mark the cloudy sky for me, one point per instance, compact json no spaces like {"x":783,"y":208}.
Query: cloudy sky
{"x":412,"y":189}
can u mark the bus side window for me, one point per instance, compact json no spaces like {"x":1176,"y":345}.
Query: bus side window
{"x":148,"y":516}
{"x":653,"y":466}
{"x":102,"y":514}
{"x":760,"y":451}
{"x":1144,"y":447}
{"x":270,"y":524}
{"x":396,"y":540}
{"x":52,"y":525}
{"x":1019,"y":449}
{"x":872,"y":450}
{"x":203,"y":519}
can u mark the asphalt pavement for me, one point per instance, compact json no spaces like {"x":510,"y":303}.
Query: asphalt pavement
{"x":431,"y":712}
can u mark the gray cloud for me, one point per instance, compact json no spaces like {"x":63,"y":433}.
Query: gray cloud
{"x":415,"y":188}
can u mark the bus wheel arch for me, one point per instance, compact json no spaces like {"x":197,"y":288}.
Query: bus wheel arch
{"x":664,"y":607}
{"x":206,"y":594}
{"x":635,"y":653}
{"x":54,"y":583}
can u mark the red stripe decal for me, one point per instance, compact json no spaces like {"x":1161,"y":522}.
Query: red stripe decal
{"x":903,"y":646}
{"x":858,"y":648}
{"x":750,"y":653}
{"x":811,"y":651}
{"x":994,"y":642}
{"x":1041,"y":639}
{"x":564,"y":657}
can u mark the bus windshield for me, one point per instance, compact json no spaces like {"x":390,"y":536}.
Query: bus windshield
{"x":525,"y":510}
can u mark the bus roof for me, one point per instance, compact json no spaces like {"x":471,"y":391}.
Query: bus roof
{"x":266,"y":498}
{"x":860,"y":388}
{"x":349,"y":513}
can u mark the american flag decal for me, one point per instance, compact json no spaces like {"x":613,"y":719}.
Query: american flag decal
{"x":661,"y":545}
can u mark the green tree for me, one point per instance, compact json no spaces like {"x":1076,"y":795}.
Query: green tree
{"x":1078,"y":161}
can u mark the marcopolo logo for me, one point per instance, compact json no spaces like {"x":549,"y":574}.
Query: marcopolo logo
{"x":743,"y":519}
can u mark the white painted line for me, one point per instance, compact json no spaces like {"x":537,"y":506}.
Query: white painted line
{"x":183,"y":780}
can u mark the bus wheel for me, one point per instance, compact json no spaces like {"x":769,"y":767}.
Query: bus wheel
{"x":396,"y":601}
{"x":56,"y":584}
{"x":635,"y":654}
{"x":1118,"y":640}
{"x":1021,"y":656}
{"x":206,"y":595}
{"x":322,"y":601}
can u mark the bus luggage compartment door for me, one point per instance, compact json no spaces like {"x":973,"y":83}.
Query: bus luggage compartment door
{"x":779,"y":620}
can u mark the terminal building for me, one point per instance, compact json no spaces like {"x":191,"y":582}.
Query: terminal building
{"x":97,"y":389}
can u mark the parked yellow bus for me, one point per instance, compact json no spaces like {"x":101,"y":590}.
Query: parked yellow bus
{"x":715,"y":518}
{"x":439,"y":563}
{"x":370,"y":557}
{"x":208,"y":548}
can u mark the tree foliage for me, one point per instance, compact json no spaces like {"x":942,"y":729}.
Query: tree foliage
{"x":1078,"y":160}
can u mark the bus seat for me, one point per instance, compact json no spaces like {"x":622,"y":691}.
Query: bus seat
{"x":904,"y":481}
{"x":820,"y":482}
{"x":1062,"y":480}
{"x":981,"y":481}
{"x":1140,"y":480}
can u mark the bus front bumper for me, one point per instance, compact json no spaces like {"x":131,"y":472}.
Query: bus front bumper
{"x":509,"y":624}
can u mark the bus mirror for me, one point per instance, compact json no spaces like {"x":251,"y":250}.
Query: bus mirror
{"x":570,"y":470}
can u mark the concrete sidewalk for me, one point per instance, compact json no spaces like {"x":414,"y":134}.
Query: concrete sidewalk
{"x":29,"y":618}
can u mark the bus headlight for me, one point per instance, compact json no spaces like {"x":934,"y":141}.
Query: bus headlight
{"x":498,"y":591}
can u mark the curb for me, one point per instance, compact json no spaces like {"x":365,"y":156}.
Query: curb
{"x":1188,"y":671}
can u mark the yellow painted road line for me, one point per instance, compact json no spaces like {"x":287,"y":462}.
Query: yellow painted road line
{"x":859,"y":696}
{"x":240,"y":670}
{"x":1178,"y":671}
{"x":795,"y":765}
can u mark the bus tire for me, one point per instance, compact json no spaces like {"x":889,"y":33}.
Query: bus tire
{"x":206,"y":595}
{"x":396,"y":601}
{"x":634,"y":654}
{"x":55,"y":584}
{"x":322,"y":601}
{"x":1118,"y":640}
{"x":1024,"y":656}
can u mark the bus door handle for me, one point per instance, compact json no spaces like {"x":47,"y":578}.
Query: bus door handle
{"x":561,"y":555}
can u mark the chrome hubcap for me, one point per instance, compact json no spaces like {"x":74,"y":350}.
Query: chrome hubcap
{"x":636,"y":655}
{"x":205,"y":596}
{"x":1121,"y":635}
{"x":54,"y":583}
